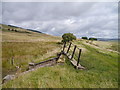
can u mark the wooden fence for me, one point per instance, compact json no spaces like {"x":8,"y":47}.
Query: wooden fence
{"x":45,"y":63}
{"x":73,"y":53}
{"x":70,"y":50}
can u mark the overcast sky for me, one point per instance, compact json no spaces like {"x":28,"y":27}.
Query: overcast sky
{"x":89,"y":19}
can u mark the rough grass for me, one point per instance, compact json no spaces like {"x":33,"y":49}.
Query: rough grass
{"x":23,"y":35}
{"x":101,"y":72}
{"x":105,"y":45}
{"x":101,"y":64}
{"x":11,"y":36}
{"x":23,"y":47}
{"x":25,"y":52}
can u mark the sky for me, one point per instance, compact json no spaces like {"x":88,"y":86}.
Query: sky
{"x":91,"y":19}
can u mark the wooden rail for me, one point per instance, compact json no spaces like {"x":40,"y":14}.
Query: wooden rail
{"x":71,"y":57}
{"x":66,"y":52}
{"x":49,"y":62}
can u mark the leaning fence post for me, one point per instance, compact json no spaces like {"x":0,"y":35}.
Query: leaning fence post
{"x":69,"y":47}
{"x":73,"y":51}
{"x":12,"y":61}
{"x":79,"y":56}
{"x":64,"y":46}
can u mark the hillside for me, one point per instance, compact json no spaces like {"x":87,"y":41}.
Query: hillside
{"x":101,"y":72}
{"x":99,"y":58}
{"x":15,"y":34}
{"x":24,"y":46}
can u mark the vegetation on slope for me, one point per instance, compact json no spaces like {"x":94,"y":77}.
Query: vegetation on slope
{"x":23,"y":48}
{"x":25,"y":52}
{"x":101,"y":72}
{"x":101,"y":63}
{"x":23,"y":35}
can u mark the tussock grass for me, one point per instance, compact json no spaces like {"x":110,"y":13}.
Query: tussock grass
{"x":23,"y":35}
{"x":101,"y":72}
{"x":105,"y":45}
{"x":28,"y":37}
{"x":24,"y":47}
{"x":101,"y":64}
{"x":26,"y":52}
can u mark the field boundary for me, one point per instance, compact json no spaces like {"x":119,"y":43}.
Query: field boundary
{"x":49,"y":62}
{"x":72,"y":59}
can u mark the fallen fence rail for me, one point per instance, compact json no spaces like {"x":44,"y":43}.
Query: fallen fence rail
{"x":67,"y":48}
{"x":53,"y":61}
{"x":49,"y":62}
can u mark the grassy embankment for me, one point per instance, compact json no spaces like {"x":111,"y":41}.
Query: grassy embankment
{"x":23,"y":47}
{"x":101,"y":70}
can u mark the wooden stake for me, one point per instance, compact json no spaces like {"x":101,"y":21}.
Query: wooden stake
{"x":69,"y":47}
{"x":12,"y":61}
{"x":73,"y":51}
{"x":79,"y":56}
{"x":64,"y":46}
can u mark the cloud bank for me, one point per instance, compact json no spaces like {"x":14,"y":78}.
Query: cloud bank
{"x":90,"y":19}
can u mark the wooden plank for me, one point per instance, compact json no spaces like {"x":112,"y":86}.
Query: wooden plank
{"x":79,"y":56}
{"x":64,"y":46}
{"x":12,"y":61}
{"x":74,"y":63}
{"x":69,"y":47}
{"x":49,"y":62}
{"x":73,"y":51}
{"x":72,"y":60}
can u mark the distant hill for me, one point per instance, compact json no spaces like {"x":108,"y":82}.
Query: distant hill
{"x":15,"y":33}
{"x":34,"y":30}
{"x":108,"y":39}
{"x":16,"y":27}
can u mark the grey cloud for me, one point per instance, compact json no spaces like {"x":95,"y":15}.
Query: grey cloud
{"x":43,"y":11}
{"x":82,"y":19}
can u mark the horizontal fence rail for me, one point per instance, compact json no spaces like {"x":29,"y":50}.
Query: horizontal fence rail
{"x":72,"y":51}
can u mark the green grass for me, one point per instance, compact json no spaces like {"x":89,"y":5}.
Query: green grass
{"x":101,"y":64}
{"x":101,"y":72}
{"x":26,"y":52}
{"x":111,"y":45}
{"x":24,"y":47}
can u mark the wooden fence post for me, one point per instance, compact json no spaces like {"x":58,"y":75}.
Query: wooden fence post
{"x":79,"y":56}
{"x":73,"y":51}
{"x":12,"y":61}
{"x":64,"y":46}
{"x":69,"y":47}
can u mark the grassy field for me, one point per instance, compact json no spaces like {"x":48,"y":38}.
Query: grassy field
{"x":25,"y":52}
{"x":99,"y":58}
{"x":23,"y":35}
{"x":101,"y":72}
{"x":23,"y":48}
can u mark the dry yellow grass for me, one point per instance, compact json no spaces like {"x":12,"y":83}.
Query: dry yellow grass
{"x":24,"y":48}
{"x":26,"y":37}
{"x":103,"y":45}
{"x":101,"y":68}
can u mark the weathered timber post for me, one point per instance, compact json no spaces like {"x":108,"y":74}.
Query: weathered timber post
{"x":69,"y":47}
{"x":64,"y":46}
{"x":12,"y":61}
{"x":73,"y":51}
{"x":79,"y":56}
